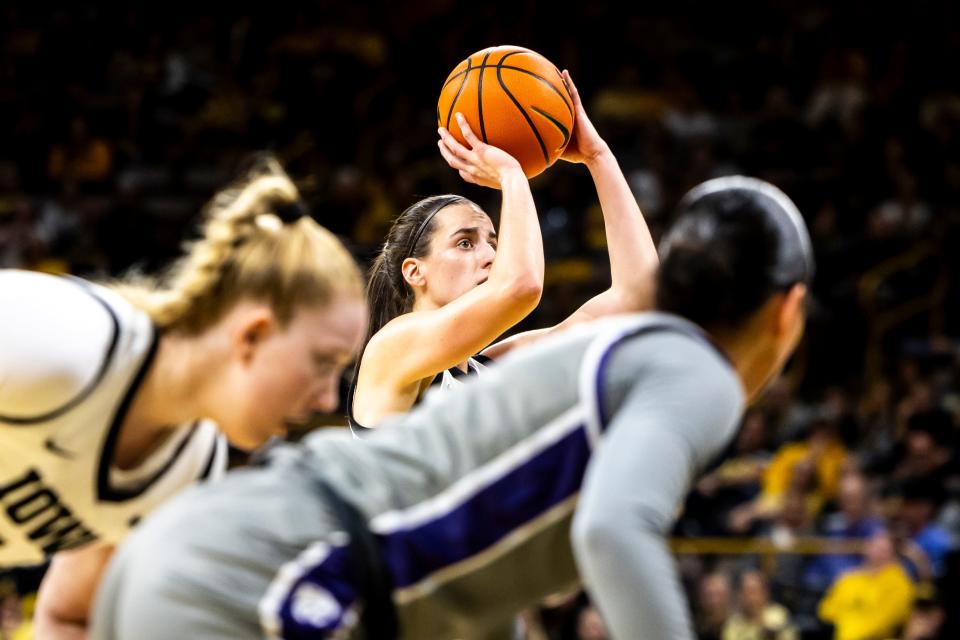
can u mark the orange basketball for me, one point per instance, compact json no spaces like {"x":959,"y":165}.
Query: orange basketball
{"x":513,"y":98}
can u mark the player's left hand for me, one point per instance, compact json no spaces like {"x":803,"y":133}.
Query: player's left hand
{"x":585,"y":144}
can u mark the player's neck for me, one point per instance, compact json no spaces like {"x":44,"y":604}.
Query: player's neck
{"x":425,"y":303}
{"x":172,"y":394}
{"x":750,"y":359}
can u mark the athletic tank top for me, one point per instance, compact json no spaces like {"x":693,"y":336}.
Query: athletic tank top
{"x":72,"y":356}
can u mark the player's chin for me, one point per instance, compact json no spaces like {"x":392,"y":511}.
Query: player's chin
{"x":253,"y":438}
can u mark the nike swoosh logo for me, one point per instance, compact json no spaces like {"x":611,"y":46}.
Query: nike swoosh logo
{"x":53,"y":448}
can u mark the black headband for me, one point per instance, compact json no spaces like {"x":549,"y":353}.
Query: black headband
{"x":290,"y":212}
{"x":423,"y":225}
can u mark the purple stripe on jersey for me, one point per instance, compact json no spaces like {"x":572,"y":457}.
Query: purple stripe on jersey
{"x":523,"y":493}
{"x":690,"y":332}
{"x":320,"y":599}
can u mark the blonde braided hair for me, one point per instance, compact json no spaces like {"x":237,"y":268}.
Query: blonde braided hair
{"x":246,"y":252}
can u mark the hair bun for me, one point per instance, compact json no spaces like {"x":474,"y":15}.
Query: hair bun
{"x":290,"y":212}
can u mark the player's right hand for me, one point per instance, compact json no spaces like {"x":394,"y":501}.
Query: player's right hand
{"x":478,"y":163}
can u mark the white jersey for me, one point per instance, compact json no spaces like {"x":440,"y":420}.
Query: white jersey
{"x":72,"y":356}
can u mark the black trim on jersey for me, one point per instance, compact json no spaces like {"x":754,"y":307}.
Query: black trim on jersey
{"x":456,"y":372}
{"x":217,"y":444}
{"x":355,"y":426}
{"x":106,"y":492}
{"x":460,"y":374}
{"x":360,"y":431}
{"x":120,"y":495}
{"x":89,"y":388}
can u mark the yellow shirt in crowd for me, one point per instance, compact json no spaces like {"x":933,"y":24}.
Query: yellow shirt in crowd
{"x":866,"y":605}
{"x":776,"y":478}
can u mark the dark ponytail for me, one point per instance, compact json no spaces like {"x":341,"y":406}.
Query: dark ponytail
{"x":736,"y":242}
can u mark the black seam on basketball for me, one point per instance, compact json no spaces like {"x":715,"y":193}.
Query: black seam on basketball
{"x":459,"y":73}
{"x":469,"y":61}
{"x":521,"y":70}
{"x":533,"y":127}
{"x":483,"y":129}
{"x":546,"y":82}
{"x":559,"y":125}
{"x":459,"y":91}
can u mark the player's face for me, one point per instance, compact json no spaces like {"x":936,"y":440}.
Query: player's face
{"x":294,"y":371}
{"x":462,"y":249}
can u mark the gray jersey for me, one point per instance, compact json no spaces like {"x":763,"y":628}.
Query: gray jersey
{"x":470,"y":497}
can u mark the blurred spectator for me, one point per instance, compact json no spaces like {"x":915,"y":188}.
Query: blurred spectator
{"x":716,"y":605}
{"x":814,"y":463}
{"x":842,"y":92}
{"x":17,"y":237}
{"x":757,"y":618}
{"x":82,"y":157}
{"x":590,"y":625}
{"x":926,"y":542}
{"x":734,"y":482}
{"x":875,"y":416}
{"x":58,"y":220}
{"x":810,"y":468}
{"x":856,"y":519}
{"x":926,"y":621}
{"x":872,"y":601}
{"x":785,"y":414}
{"x":926,"y":454}
{"x":905,"y":214}
{"x":14,"y":620}
{"x":686,"y":118}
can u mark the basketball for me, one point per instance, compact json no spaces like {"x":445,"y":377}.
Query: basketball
{"x":513,"y":98}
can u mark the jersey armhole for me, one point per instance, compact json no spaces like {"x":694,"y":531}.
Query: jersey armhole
{"x":593,"y":370}
{"x":90,"y":386}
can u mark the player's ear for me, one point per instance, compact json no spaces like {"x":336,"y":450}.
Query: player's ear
{"x":413,"y":272}
{"x":792,"y":309}
{"x":250,"y":328}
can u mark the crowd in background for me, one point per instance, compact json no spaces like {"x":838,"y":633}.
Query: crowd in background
{"x":120,"y":123}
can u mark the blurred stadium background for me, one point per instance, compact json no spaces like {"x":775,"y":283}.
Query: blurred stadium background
{"x":120,"y":122}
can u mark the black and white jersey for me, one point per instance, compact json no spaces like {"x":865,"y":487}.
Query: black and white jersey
{"x":72,"y":356}
{"x":445,"y":381}
{"x":454,"y":376}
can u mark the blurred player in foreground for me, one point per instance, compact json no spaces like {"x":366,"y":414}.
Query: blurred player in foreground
{"x":112,"y":399}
